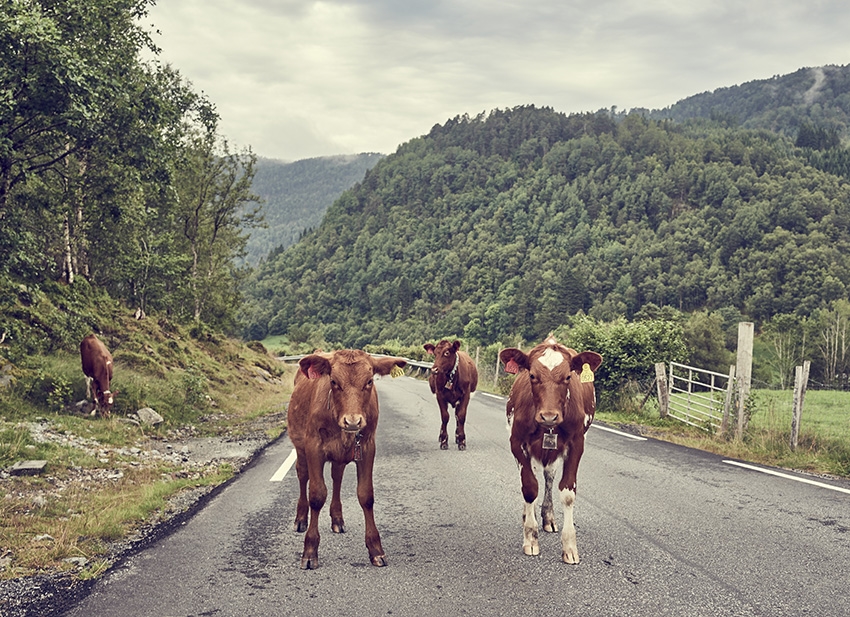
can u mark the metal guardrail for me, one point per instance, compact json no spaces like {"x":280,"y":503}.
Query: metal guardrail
{"x":424,"y":366}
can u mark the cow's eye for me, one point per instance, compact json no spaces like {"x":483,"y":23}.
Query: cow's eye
{"x":533,"y":376}
{"x":334,"y":383}
{"x":369,"y":383}
{"x":447,"y":354}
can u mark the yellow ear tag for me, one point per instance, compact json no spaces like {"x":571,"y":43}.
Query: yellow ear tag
{"x":586,"y":374}
{"x":396,"y":372}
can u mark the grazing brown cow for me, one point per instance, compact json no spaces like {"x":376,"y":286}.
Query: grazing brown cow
{"x":97,"y":367}
{"x":333,"y":414}
{"x":453,"y":379}
{"x":551,"y":406}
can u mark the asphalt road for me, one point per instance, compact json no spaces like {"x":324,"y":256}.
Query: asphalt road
{"x":662,"y":530}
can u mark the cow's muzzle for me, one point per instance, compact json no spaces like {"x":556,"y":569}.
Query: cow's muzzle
{"x":352,"y":423}
{"x":549,"y":419}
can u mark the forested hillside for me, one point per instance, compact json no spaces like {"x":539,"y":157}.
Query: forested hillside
{"x":508,"y":223}
{"x":296,"y":195}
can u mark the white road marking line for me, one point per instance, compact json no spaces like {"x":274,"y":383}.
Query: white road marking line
{"x":280,"y":474}
{"x":789,"y":477}
{"x":620,"y":433}
{"x":495,"y":396}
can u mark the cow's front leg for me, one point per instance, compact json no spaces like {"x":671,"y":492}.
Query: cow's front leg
{"x":337,"y":522}
{"x":302,"y":508}
{"x":547,"y":511}
{"x":568,"y":536}
{"x":530,"y":530}
{"x":366,"y":497}
{"x":567,"y":488}
{"x":444,"y":418}
{"x":318,"y":493}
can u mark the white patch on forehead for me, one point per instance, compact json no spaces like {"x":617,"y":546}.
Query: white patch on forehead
{"x":551,"y":358}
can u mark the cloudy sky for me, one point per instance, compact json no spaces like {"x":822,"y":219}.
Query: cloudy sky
{"x":297,"y":79}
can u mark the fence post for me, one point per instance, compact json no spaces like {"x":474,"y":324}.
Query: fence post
{"x":727,"y":404}
{"x":663,"y":389}
{"x":496,"y":373}
{"x":801,"y":380}
{"x":744,"y":372}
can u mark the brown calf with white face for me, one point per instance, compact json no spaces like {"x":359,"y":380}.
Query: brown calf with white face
{"x":453,"y":379}
{"x":97,"y":367}
{"x":333,"y":415}
{"x":551,"y":406}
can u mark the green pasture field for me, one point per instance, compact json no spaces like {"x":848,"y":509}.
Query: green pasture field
{"x":825,"y":415}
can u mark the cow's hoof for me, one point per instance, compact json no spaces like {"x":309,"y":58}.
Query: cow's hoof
{"x":300,"y":526}
{"x":444,"y":444}
{"x":309,"y":563}
{"x":570,"y":556}
{"x":461,"y":445}
{"x":379,"y":560}
{"x":531,"y":549}
{"x":550,"y":527}
{"x":338,"y":526}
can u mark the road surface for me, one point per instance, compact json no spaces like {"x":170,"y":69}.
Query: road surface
{"x":662,"y":530}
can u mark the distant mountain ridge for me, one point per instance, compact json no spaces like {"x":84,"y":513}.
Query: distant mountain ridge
{"x":296,"y":196}
{"x":820,"y":95}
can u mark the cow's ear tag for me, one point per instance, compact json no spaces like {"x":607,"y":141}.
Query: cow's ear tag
{"x":396,"y":372}
{"x":512,"y":367}
{"x":312,"y":373}
{"x":586,"y":374}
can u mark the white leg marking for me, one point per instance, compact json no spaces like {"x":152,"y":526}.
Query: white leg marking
{"x":529,"y":530}
{"x":568,"y":535}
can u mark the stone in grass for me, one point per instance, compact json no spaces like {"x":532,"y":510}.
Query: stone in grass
{"x":27,"y":468}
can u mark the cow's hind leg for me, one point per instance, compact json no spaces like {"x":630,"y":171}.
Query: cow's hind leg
{"x":547,"y":512}
{"x":337,"y":523}
{"x":460,"y":417}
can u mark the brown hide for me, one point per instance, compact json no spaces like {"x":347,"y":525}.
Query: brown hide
{"x":97,"y":367}
{"x":333,"y":416}
{"x":453,"y":379}
{"x":550,"y":407}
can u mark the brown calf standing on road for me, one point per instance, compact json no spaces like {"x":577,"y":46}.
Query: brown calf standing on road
{"x":333,"y":415}
{"x":551,"y":406}
{"x":453,"y":379}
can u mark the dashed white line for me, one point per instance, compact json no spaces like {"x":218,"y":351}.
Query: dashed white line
{"x":280,"y":474}
{"x":789,"y":477}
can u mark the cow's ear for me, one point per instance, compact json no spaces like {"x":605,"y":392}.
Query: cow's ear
{"x":429,"y":348}
{"x":383,"y":366}
{"x":514,"y":360}
{"x":456,"y":346}
{"x":591,"y":358}
{"x":314,"y":366}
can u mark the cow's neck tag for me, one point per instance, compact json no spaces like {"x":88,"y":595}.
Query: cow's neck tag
{"x":512,"y":367}
{"x":396,"y":372}
{"x":586,"y":374}
{"x":550,"y":441}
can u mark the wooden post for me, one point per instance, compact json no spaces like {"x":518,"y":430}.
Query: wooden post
{"x":496,"y":373}
{"x":801,"y":380}
{"x":663,"y":389}
{"x":727,"y":405}
{"x":744,"y":372}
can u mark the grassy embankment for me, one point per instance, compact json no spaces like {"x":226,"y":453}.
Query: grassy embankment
{"x":101,"y":483}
